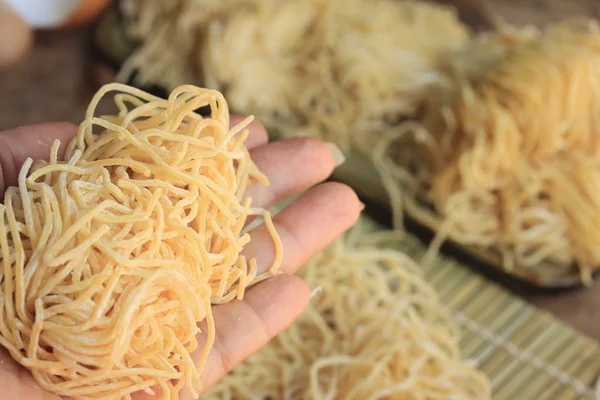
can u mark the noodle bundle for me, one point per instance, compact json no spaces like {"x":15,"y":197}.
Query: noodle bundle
{"x":376,"y":330}
{"x":342,"y":70}
{"x":494,"y":138}
{"x":111,"y":258}
{"x":508,"y":148}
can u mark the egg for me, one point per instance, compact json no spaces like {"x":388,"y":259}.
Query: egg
{"x":52,"y":14}
{"x":16,"y":37}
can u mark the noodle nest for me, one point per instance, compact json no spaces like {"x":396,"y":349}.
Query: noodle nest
{"x":342,"y":70}
{"x":111,"y":258}
{"x":508,"y":149}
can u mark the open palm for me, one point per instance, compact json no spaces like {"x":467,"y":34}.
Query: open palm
{"x":307,"y":226}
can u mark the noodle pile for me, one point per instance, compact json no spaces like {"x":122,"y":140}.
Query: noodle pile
{"x":508,"y":148}
{"x":112,"y":258}
{"x":375,"y":331}
{"x":505,"y":122}
{"x":494,"y":138}
{"x":342,"y":70}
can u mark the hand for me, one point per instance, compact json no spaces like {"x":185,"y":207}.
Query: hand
{"x":306,"y":226}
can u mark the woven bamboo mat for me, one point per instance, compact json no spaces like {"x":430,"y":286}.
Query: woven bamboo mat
{"x":526,"y":353}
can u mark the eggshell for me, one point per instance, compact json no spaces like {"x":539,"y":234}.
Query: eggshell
{"x":51,"y":14}
{"x":86,"y":12}
{"x":16,"y":37}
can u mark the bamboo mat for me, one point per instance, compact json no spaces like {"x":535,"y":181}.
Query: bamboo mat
{"x":526,"y":353}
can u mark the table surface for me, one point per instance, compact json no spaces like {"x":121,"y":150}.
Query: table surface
{"x":55,"y":83}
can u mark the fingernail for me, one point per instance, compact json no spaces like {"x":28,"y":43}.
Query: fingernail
{"x":336,"y":152}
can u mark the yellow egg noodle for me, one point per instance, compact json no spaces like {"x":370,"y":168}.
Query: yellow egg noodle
{"x":111,"y":258}
{"x":506,"y":121}
{"x":508,"y":148}
{"x":342,"y":70}
{"x":376,"y":330}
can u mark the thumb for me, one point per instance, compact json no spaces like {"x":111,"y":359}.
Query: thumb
{"x":34,"y":141}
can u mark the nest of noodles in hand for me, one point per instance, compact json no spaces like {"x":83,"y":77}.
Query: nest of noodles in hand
{"x":342,"y":70}
{"x":507,"y":149}
{"x":111,"y":258}
{"x":376,"y":330}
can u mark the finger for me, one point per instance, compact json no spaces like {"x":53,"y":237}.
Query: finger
{"x":244,"y":326}
{"x":33,"y":141}
{"x":17,"y":383}
{"x":292,"y":166}
{"x":306,"y":226}
{"x":257,"y":133}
